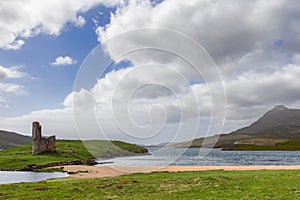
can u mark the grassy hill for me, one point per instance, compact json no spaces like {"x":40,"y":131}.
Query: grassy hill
{"x":67,"y":150}
{"x":10,"y":139}
{"x":275,"y":130}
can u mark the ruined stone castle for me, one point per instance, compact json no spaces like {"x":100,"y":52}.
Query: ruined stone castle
{"x":41,"y":144}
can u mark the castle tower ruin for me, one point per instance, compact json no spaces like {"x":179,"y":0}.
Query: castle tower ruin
{"x":41,"y":144}
{"x":36,"y":130}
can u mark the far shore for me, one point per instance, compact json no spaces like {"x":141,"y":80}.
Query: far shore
{"x":84,"y":171}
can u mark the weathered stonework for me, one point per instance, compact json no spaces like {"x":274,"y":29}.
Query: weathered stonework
{"x":41,"y":144}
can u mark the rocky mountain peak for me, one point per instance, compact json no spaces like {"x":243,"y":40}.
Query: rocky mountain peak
{"x":279,"y":108}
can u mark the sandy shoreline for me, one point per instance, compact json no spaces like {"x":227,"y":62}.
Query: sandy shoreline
{"x":83,"y":171}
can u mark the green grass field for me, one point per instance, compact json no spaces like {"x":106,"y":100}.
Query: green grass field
{"x":67,"y":150}
{"x":163,"y":185}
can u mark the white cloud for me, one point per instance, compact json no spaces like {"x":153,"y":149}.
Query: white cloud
{"x":80,"y":21}
{"x":149,"y":107}
{"x":63,"y":60}
{"x":10,"y":88}
{"x":262,"y":90}
{"x":251,"y":41}
{"x":229,"y":30}
{"x":110,"y":96}
{"x":12,"y":72}
{"x":20,"y":20}
{"x":62,"y":127}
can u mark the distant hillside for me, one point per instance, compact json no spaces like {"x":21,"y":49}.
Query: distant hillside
{"x":278,"y":120}
{"x":276,"y":126}
{"x":11,"y":139}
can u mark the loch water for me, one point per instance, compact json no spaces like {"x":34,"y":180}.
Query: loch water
{"x":17,"y":177}
{"x":206,"y":157}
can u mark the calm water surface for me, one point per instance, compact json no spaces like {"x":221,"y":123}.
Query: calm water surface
{"x":17,"y":177}
{"x":194,"y":157}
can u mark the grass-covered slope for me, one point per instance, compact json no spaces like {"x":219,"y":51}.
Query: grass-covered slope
{"x":292,"y":145}
{"x":11,"y":139}
{"x":67,"y":150}
{"x":183,"y":185}
{"x":273,"y":141}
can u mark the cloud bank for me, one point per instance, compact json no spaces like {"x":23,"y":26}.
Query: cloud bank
{"x":20,"y":20}
{"x":255,"y":44}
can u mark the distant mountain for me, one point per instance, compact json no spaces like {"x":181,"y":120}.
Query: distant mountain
{"x":11,"y":139}
{"x":278,"y":120}
{"x":277,"y":125}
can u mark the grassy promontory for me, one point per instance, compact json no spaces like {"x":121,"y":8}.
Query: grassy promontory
{"x":280,"y":142}
{"x":67,"y":150}
{"x":292,"y":145}
{"x":165,"y":185}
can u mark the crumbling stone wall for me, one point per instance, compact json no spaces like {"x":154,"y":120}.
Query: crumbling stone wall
{"x":41,"y":144}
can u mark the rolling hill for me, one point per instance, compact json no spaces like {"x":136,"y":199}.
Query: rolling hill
{"x":277,"y":126}
{"x":11,"y":139}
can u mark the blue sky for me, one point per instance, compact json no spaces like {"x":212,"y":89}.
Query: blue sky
{"x":48,"y":85}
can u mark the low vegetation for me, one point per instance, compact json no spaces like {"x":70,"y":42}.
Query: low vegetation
{"x":272,"y":141}
{"x":67,"y":150}
{"x":11,"y":139}
{"x":163,"y":185}
{"x":292,"y":145}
